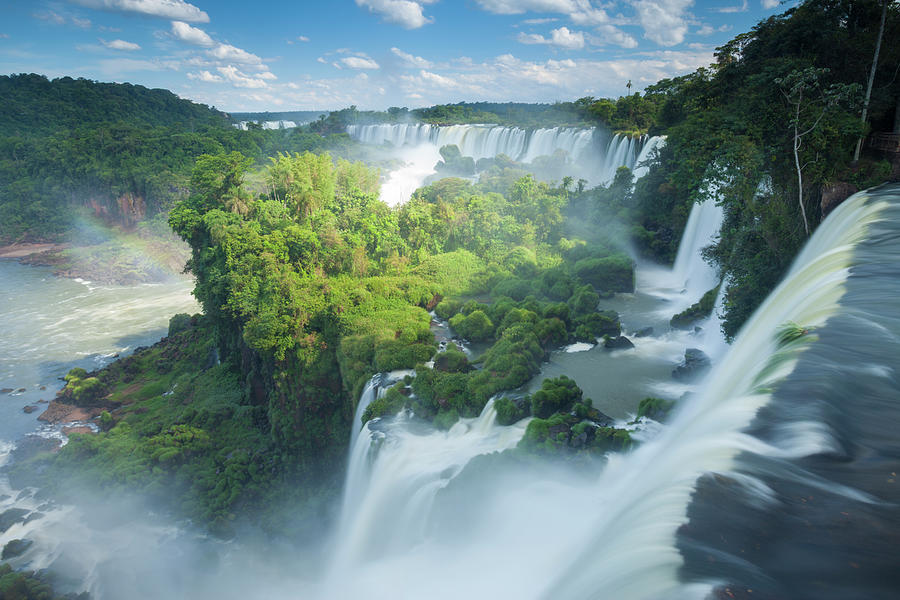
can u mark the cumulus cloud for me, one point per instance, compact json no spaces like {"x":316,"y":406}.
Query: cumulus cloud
{"x":167,"y":9}
{"x":410,"y":60}
{"x":438,"y":80}
{"x":191,"y":35}
{"x":613,"y":35}
{"x":205,"y":76}
{"x":359,"y":62}
{"x":406,"y":13}
{"x":664,"y":21}
{"x":121,"y":45}
{"x":240,"y":79}
{"x":562,"y":38}
{"x":770,"y":4}
{"x":302,"y":38}
{"x":582,"y":12}
{"x":229,"y":53}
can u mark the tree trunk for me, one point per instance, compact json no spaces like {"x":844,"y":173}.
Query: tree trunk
{"x":799,"y":171}
{"x":897,"y":116}
{"x":865,"y":112}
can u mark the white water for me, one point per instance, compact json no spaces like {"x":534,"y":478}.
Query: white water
{"x":268,"y":124}
{"x":610,"y":534}
{"x":592,"y":153}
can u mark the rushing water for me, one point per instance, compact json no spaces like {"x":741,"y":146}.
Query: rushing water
{"x":592,"y":153}
{"x":615,"y":533}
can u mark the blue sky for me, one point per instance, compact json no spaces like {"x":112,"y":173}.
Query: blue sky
{"x":301,"y":55}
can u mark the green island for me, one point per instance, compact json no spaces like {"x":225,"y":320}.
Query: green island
{"x":310,"y":285}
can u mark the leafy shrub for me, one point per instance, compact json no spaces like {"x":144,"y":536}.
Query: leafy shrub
{"x":556,"y":395}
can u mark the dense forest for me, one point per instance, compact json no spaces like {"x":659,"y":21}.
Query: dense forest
{"x":117,"y":151}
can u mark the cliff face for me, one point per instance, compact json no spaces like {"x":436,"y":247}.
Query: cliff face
{"x":125,"y":211}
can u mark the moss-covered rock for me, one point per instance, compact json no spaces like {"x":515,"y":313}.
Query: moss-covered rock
{"x":696,"y":312}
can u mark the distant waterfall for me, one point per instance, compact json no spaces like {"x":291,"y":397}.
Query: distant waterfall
{"x":512,"y":530}
{"x":595,"y":152}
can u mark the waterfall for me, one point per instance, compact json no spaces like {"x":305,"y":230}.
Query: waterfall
{"x":525,"y":533}
{"x":654,"y":143}
{"x":592,"y":153}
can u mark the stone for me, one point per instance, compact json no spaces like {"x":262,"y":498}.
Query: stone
{"x":10,"y":517}
{"x":29,"y":409}
{"x":617,"y":343}
{"x":15,"y":548}
{"x":6,"y":391}
{"x":695,"y":364}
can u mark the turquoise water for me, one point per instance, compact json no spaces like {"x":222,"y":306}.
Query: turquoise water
{"x":49,"y":325}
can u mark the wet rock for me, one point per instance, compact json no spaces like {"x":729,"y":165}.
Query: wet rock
{"x":15,"y":548}
{"x":20,"y":391}
{"x":617,"y":343}
{"x":695,"y":364}
{"x":33,"y":517}
{"x":32,"y":445}
{"x":29,"y":409}
{"x":645,"y":332}
{"x":6,"y":391}
{"x":834,"y":194}
{"x":43,"y":388}
{"x":10,"y":517}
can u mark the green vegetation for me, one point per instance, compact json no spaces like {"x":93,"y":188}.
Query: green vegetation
{"x":26,"y":585}
{"x":697,"y":311}
{"x":119,"y":152}
{"x":732,"y":126}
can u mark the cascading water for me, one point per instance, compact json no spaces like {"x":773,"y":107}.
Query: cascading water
{"x":614,"y":533}
{"x":596,"y":153}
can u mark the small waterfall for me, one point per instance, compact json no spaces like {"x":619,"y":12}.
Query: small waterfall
{"x":651,"y":145}
{"x":396,"y":467}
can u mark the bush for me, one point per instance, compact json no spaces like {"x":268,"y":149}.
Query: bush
{"x":452,"y":361}
{"x":476,"y":326}
{"x":556,"y":395}
{"x":654,"y":408}
{"x":447,"y":307}
{"x":508,"y":412}
{"x":610,"y":274}
{"x":584,"y":301}
{"x":178,"y":323}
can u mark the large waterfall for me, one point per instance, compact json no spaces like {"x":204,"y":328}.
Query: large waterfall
{"x":592,"y":153}
{"x":808,"y":389}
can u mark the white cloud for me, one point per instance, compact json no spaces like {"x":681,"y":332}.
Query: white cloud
{"x":359,"y":62}
{"x":733,"y":9}
{"x":83,"y":23}
{"x":706,"y":29}
{"x":167,"y":9}
{"x":322,"y":60}
{"x":267,"y":75}
{"x":205,"y":76}
{"x":406,"y":13}
{"x":664,"y":21}
{"x":562,"y":38}
{"x":302,"y":38}
{"x":121,"y":45}
{"x":410,"y":60}
{"x":613,"y":35}
{"x":229,"y":53}
{"x":438,"y":80}
{"x":191,"y":35}
{"x":582,"y":12}
{"x":240,"y":79}
{"x":50,"y":16}
{"x":770,"y":4}
{"x":539,"y":21}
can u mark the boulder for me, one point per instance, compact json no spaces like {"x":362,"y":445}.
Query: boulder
{"x":834,"y":194}
{"x":15,"y":548}
{"x":695,"y":364}
{"x":617,"y":343}
{"x":10,"y":517}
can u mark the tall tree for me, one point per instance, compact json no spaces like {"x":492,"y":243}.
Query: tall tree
{"x":865,"y":110}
